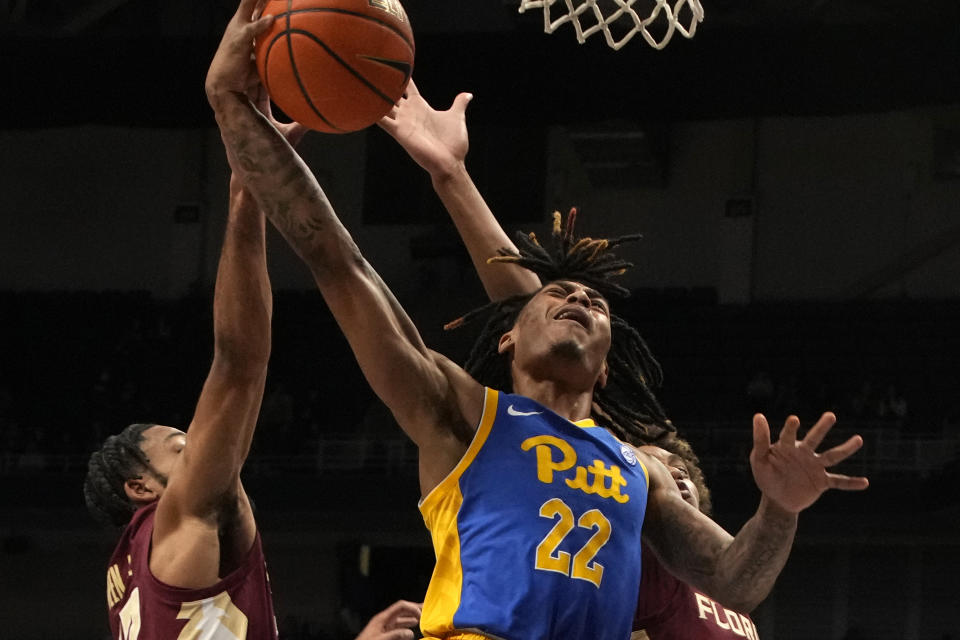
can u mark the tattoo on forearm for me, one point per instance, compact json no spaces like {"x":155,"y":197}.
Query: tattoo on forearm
{"x":756,"y":557}
{"x":737,"y":572}
{"x":770,"y":541}
{"x":285,"y":188}
{"x":688,"y":544}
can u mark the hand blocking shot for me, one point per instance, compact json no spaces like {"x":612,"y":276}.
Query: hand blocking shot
{"x":531,"y":486}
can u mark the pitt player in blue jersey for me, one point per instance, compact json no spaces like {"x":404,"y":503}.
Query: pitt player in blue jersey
{"x":545,"y":513}
{"x":509,"y":565}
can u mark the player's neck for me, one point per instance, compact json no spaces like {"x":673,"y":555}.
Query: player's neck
{"x":571,"y":403}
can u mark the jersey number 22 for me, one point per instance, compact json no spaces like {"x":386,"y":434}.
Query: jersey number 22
{"x":549,"y":558}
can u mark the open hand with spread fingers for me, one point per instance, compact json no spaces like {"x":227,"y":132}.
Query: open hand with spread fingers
{"x":790,"y":472}
{"x":393,"y":623}
{"x":436,"y":140}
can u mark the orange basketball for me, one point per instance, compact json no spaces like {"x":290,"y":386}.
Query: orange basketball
{"x":336,"y":65}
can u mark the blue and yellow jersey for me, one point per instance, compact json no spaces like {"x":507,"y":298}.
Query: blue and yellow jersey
{"x":536,"y":530}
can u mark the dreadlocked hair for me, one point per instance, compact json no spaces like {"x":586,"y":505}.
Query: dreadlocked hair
{"x":119,"y":459}
{"x":627,"y":405}
{"x":682,"y":448}
{"x":584,"y":260}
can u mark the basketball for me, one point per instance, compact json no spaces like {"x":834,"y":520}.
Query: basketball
{"x":336,"y":65}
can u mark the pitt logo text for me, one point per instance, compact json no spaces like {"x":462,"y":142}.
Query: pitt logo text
{"x":593,"y":479}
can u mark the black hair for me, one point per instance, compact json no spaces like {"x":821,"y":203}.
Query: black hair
{"x":118,"y":460}
{"x":627,"y":405}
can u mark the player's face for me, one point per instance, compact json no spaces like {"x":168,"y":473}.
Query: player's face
{"x":564,"y":328}
{"x":679,"y":470}
{"x":162,"y":446}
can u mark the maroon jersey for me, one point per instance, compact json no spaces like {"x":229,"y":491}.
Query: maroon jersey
{"x":669,"y":609}
{"x":239,"y":607}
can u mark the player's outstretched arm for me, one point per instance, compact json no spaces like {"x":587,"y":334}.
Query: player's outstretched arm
{"x":222,"y":427}
{"x":438,"y":142}
{"x":413,"y":381}
{"x":740,"y":571}
{"x":207,"y":479}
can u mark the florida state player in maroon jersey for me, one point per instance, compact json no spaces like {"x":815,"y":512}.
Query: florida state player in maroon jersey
{"x":190,"y":562}
{"x":668,"y":608}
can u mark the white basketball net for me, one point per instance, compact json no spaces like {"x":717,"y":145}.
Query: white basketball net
{"x":622,"y":16}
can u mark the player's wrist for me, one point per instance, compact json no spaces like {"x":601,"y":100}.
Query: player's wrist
{"x":449,"y":175}
{"x":219,"y":91}
{"x":772,"y":509}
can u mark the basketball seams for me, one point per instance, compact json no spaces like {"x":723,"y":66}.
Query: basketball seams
{"x":347,"y":12}
{"x":293,"y":66}
{"x":296,"y":72}
{"x":340,"y":57}
{"x":333,"y":54}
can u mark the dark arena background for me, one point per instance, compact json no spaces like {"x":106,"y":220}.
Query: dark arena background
{"x":794,"y":169}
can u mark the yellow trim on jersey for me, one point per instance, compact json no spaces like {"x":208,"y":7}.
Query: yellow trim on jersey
{"x":646,"y":473}
{"x":490,"y":400}
{"x":586,"y":423}
{"x":439,"y":509}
